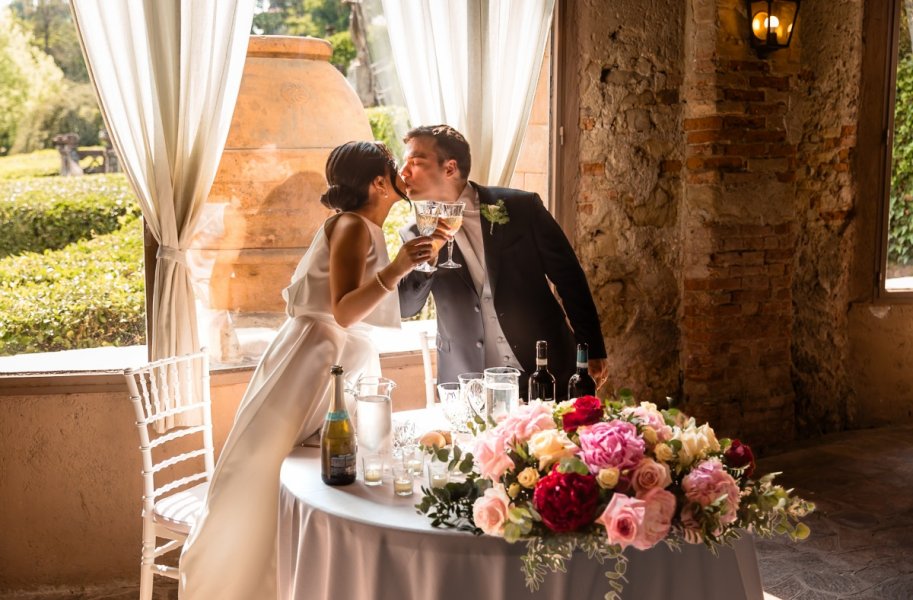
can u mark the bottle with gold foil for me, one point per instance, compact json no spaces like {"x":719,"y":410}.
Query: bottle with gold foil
{"x":337,"y":438}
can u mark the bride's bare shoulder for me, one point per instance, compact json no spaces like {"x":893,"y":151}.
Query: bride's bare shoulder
{"x":346,"y":227}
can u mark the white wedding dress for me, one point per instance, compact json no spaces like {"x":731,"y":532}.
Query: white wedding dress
{"x":231,"y":551}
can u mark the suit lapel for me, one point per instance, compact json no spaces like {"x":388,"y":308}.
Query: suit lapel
{"x":491,"y":240}
{"x":460,"y":258}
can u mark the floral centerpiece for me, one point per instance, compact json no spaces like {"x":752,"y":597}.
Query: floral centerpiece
{"x":602,"y":476}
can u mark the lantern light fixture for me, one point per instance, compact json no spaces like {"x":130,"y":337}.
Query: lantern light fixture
{"x":772,"y":24}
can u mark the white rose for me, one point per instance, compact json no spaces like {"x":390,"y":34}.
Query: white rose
{"x":696,"y":443}
{"x":550,"y":446}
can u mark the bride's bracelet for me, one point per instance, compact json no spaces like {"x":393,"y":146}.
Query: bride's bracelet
{"x":381,"y":283}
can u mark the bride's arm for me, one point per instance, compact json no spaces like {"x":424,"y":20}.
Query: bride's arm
{"x":350,"y":242}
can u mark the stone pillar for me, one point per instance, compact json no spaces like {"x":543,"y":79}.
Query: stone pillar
{"x":738,"y":226}
{"x":67,"y":146}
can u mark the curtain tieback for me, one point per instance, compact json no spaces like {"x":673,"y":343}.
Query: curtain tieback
{"x":173,"y":254}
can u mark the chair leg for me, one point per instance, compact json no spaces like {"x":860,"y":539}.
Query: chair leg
{"x":148,"y":559}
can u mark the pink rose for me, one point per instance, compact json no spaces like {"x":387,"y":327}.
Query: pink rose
{"x":525,"y":420}
{"x":491,"y":457}
{"x":657,"y":518}
{"x":623,"y":519}
{"x":489,"y":512}
{"x":649,"y":416}
{"x":650,"y":474}
{"x":708,"y":482}
{"x":611,"y":444}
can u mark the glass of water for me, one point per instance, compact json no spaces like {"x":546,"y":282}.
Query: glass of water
{"x":502,"y":391}
{"x":374,"y":415}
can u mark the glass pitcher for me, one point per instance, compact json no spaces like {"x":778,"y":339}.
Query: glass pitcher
{"x":502,"y":391}
{"x":373,"y":414}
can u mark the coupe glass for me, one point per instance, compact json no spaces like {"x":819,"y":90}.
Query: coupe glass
{"x":452,"y":216}
{"x":426,"y":216}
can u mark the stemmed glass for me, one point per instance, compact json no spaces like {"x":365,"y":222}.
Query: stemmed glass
{"x":455,"y":409}
{"x":426,"y":216}
{"x":452,"y":216}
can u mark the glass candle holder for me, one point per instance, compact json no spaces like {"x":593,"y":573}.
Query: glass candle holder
{"x":438,"y":474}
{"x":373,"y":466}
{"x":403,"y":480}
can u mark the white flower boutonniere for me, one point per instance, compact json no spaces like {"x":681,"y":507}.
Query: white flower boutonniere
{"x":496,"y":214}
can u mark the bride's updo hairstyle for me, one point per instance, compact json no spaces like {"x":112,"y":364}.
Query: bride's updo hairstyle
{"x":350,"y":170}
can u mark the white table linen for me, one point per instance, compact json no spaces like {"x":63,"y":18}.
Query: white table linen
{"x":364,"y":543}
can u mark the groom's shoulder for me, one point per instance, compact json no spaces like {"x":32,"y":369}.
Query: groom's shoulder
{"x":509,"y":195}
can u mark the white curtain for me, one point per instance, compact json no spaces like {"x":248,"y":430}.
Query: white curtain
{"x":167,"y":74}
{"x":472,"y":64}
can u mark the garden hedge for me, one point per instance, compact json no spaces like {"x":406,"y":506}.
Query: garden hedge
{"x":50,"y":212}
{"x":89,"y":294}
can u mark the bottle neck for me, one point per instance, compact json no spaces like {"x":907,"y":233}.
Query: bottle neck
{"x":582,"y":356}
{"x":339,"y":400}
{"x":541,"y":355}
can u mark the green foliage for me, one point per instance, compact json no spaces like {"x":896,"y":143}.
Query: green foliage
{"x":318,"y":18}
{"x":43,"y":163}
{"x":53,"y":32}
{"x":389,"y":124}
{"x":49,"y":213}
{"x":900,"y":233}
{"x":87,"y":295}
{"x":73,"y":109}
{"x":28,"y":78}
{"x":343,"y":50}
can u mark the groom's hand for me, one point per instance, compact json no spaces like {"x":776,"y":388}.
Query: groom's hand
{"x":439,"y":239}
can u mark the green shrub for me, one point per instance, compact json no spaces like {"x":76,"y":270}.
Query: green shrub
{"x":49,"y":213}
{"x":72,"y":109}
{"x":389,"y":124}
{"x":86,"y":295}
{"x":43,"y":163}
{"x":343,"y":50}
{"x":900,"y":234}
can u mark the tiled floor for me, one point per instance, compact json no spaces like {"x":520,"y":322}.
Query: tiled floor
{"x":861,"y":547}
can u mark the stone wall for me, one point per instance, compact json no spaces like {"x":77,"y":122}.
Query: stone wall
{"x":628,"y":189}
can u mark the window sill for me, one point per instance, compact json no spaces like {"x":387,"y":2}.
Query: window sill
{"x":96,"y":370}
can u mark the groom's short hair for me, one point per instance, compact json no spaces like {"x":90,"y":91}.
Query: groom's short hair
{"x":450,"y":145}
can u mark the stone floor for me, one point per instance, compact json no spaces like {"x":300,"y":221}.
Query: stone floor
{"x":861,"y":547}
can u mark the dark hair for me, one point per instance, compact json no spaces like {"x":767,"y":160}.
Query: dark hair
{"x":450,"y":145}
{"x":350,"y":170}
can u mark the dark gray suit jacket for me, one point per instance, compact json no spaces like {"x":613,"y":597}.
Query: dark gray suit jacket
{"x":521,"y":258}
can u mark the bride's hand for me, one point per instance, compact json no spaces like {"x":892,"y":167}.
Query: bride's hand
{"x":414,"y":252}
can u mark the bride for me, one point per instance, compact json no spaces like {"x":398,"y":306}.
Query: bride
{"x":342,"y":287}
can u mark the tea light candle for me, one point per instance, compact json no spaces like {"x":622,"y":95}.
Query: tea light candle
{"x":373,"y":469}
{"x":439,"y":480}
{"x":373,"y":476}
{"x":402,"y":487}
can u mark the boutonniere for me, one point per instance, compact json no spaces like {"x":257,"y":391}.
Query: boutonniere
{"x":496,"y":214}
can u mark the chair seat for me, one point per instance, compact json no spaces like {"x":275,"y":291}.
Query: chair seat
{"x":178,"y":512}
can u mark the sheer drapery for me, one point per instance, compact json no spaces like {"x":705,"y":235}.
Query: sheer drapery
{"x":167,"y":74}
{"x":472,"y":64}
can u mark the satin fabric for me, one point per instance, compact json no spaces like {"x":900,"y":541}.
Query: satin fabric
{"x":231,"y":553}
{"x":366,"y":544}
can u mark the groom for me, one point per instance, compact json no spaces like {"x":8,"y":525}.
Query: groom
{"x":491,"y":311}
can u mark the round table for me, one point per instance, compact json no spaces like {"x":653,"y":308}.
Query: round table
{"x":363,"y":543}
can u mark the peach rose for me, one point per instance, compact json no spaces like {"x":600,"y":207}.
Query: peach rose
{"x":658,"y":513}
{"x":489,"y":512}
{"x":551,"y":445}
{"x":491,"y":456}
{"x":528,"y":477}
{"x":649,"y":474}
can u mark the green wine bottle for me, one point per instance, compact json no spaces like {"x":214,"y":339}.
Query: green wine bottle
{"x":337,"y":438}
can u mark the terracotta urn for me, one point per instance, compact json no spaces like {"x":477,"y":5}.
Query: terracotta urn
{"x":264,"y":207}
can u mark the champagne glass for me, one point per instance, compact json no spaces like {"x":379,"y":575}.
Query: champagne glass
{"x":452,"y":216}
{"x":426,"y":216}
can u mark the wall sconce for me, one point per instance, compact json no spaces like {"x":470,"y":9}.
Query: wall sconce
{"x":772,"y":23}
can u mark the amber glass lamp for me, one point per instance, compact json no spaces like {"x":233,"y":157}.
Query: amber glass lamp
{"x":772,"y":24}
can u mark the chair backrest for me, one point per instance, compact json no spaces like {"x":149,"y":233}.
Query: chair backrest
{"x":165,"y":391}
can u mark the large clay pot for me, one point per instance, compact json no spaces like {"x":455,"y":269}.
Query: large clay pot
{"x":293,"y":108}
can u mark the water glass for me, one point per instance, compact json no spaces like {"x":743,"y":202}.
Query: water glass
{"x":472,"y":389}
{"x":403,"y":480}
{"x":456,"y":411}
{"x":374,"y":414}
{"x":373,"y":468}
{"x":502,"y":391}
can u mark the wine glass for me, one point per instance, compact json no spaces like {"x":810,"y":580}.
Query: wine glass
{"x":456,"y":411}
{"x":452,"y":216}
{"x":426,"y":216}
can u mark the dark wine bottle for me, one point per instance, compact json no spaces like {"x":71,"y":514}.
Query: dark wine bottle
{"x":337,"y":438}
{"x":541,"y":382}
{"x":580,"y":383}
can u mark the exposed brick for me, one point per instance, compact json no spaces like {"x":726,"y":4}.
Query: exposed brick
{"x":702,"y":137}
{"x":731,"y":283}
{"x":747,"y":95}
{"x":670,"y":166}
{"x":703,"y":178}
{"x":748,"y":65}
{"x":667,"y":96}
{"x":777,"y":150}
{"x":745,"y":122}
{"x":773,"y":108}
{"x":769,"y":81}
{"x":592,"y":168}
{"x":747,"y":150}
{"x":702,"y":124}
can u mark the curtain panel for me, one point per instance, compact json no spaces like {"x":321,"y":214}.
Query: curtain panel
{"x":167,"y":73}
{"x":474,"y":65}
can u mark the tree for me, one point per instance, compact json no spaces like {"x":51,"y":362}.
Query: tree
{"x":54,"y":33}
{"x":28,"y":78}
{"x":317,"y":18}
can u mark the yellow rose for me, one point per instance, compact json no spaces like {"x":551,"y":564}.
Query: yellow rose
{"x":549,"y":446}
{"x":696,"y":443}
{"x":513,"y":490}
{"x":649,"y":435}
{"x":528,"y":477}
{"x":662,"y":452}
{"x":607,"y":478}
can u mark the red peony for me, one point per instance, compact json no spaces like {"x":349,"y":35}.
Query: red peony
{"x":739,"y":455}
{"x":566,"y":501}
{"x":587,"y":410}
